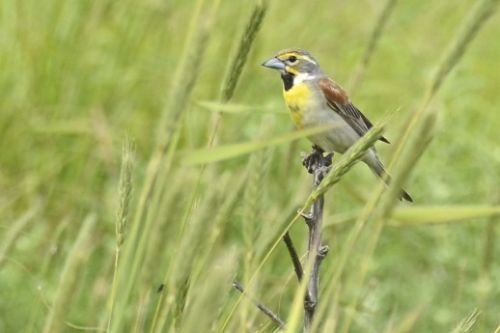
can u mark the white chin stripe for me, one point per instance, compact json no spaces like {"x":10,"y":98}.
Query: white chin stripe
{"x":302,"y":77}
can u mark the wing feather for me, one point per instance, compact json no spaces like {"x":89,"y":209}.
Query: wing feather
{"x":339,"y":102}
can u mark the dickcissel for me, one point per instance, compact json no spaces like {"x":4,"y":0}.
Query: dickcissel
{"x":315,"y":99}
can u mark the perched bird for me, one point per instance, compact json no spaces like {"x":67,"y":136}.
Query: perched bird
{"x":314,"y":99}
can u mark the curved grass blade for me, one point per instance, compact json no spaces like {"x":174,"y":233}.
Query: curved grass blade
{"x":220,"y":153}
{"x":441,"y":214}
{"x":233,"y":108}
{"x":423,"y":215}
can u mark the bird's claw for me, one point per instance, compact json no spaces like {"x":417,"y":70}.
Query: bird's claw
{"x":315,"y":160}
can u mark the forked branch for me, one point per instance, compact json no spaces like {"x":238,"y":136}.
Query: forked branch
{"x":318,"y":165}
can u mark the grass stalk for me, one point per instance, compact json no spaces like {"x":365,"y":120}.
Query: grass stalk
{"x":238,"y":61}
{"x":227,"y":91}
{"x":295,"y":314}
{"x":476,"y":19}
{"x":125,"y":191}
{"x":467,"y":324}
{"x":416,"y":138}
{"x":15,"y":232}
{"x":209,"y":300}
{"x":246,"y":41}
{"x":168,"y":134}
{"x":195,"y":224}
{"x":56,"y":317}
{"x":488,"y":250}
{"x":373,"y":40}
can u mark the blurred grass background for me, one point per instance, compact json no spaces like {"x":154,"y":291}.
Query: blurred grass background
{"x":80,"y":78}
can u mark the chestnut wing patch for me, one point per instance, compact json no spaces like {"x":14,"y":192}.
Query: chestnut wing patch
{"x":339,"y":102}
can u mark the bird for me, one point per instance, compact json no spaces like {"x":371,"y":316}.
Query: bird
{"x":315,"y":99}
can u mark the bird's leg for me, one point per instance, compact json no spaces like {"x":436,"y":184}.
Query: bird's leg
{"x":313,"y":159}
{"x":316,"y":160}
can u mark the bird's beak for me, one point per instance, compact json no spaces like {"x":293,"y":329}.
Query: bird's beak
{"x":274,"y":63}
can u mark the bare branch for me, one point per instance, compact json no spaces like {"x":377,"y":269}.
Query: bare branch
{"x":318,"y":165}
{"x":262,"y":307}
{"x":293,"y":254}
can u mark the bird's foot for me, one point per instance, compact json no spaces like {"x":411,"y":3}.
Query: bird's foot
{"x":316,"y":160}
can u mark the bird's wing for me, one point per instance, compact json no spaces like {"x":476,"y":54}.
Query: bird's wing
{"x":338,"y":101}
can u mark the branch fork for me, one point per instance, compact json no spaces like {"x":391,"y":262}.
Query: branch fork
{"x":318,"y":165}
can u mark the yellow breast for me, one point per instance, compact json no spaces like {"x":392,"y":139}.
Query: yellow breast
{"x":297,"y":99}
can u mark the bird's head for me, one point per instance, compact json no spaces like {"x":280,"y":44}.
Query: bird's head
{"x":294,"y":62}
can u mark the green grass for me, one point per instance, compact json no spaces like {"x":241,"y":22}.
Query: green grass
{"x":215,"y":177}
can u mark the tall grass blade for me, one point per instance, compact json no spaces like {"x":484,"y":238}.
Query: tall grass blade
{"x":206,"y":302}
{"x":414,"y":141}
{"x":125,"y":192}
{"x":168,"y":134}
{"x":15,"y":231}
{"x":370,"y":48}
{"x":466,"y":325}
{"x":408,"y":323}
{"x":241,"y":109}
{"x":75,"y":260}
{"x":474,"y":22}
{"x":224,"y":152}
{"x":421,"y":215}
{"x":227,"y":91}
{"x":239,"y":59}
{"x":424,"y":215}
{"x":243,"y":50}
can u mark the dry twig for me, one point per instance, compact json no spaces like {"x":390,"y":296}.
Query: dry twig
{"x":262,"y":307}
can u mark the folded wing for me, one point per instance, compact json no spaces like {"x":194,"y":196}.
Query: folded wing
{"x":339,"y":102}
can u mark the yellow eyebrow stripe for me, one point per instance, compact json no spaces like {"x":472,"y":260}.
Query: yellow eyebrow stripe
{"x":285,"y":56}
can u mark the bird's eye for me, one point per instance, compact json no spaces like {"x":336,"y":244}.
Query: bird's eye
{"x":292,"y":59}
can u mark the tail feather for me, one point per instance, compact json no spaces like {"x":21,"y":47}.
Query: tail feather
{"x":379,"y":170}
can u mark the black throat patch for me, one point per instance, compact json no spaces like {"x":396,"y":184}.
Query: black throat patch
{"x":287,"y":81}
